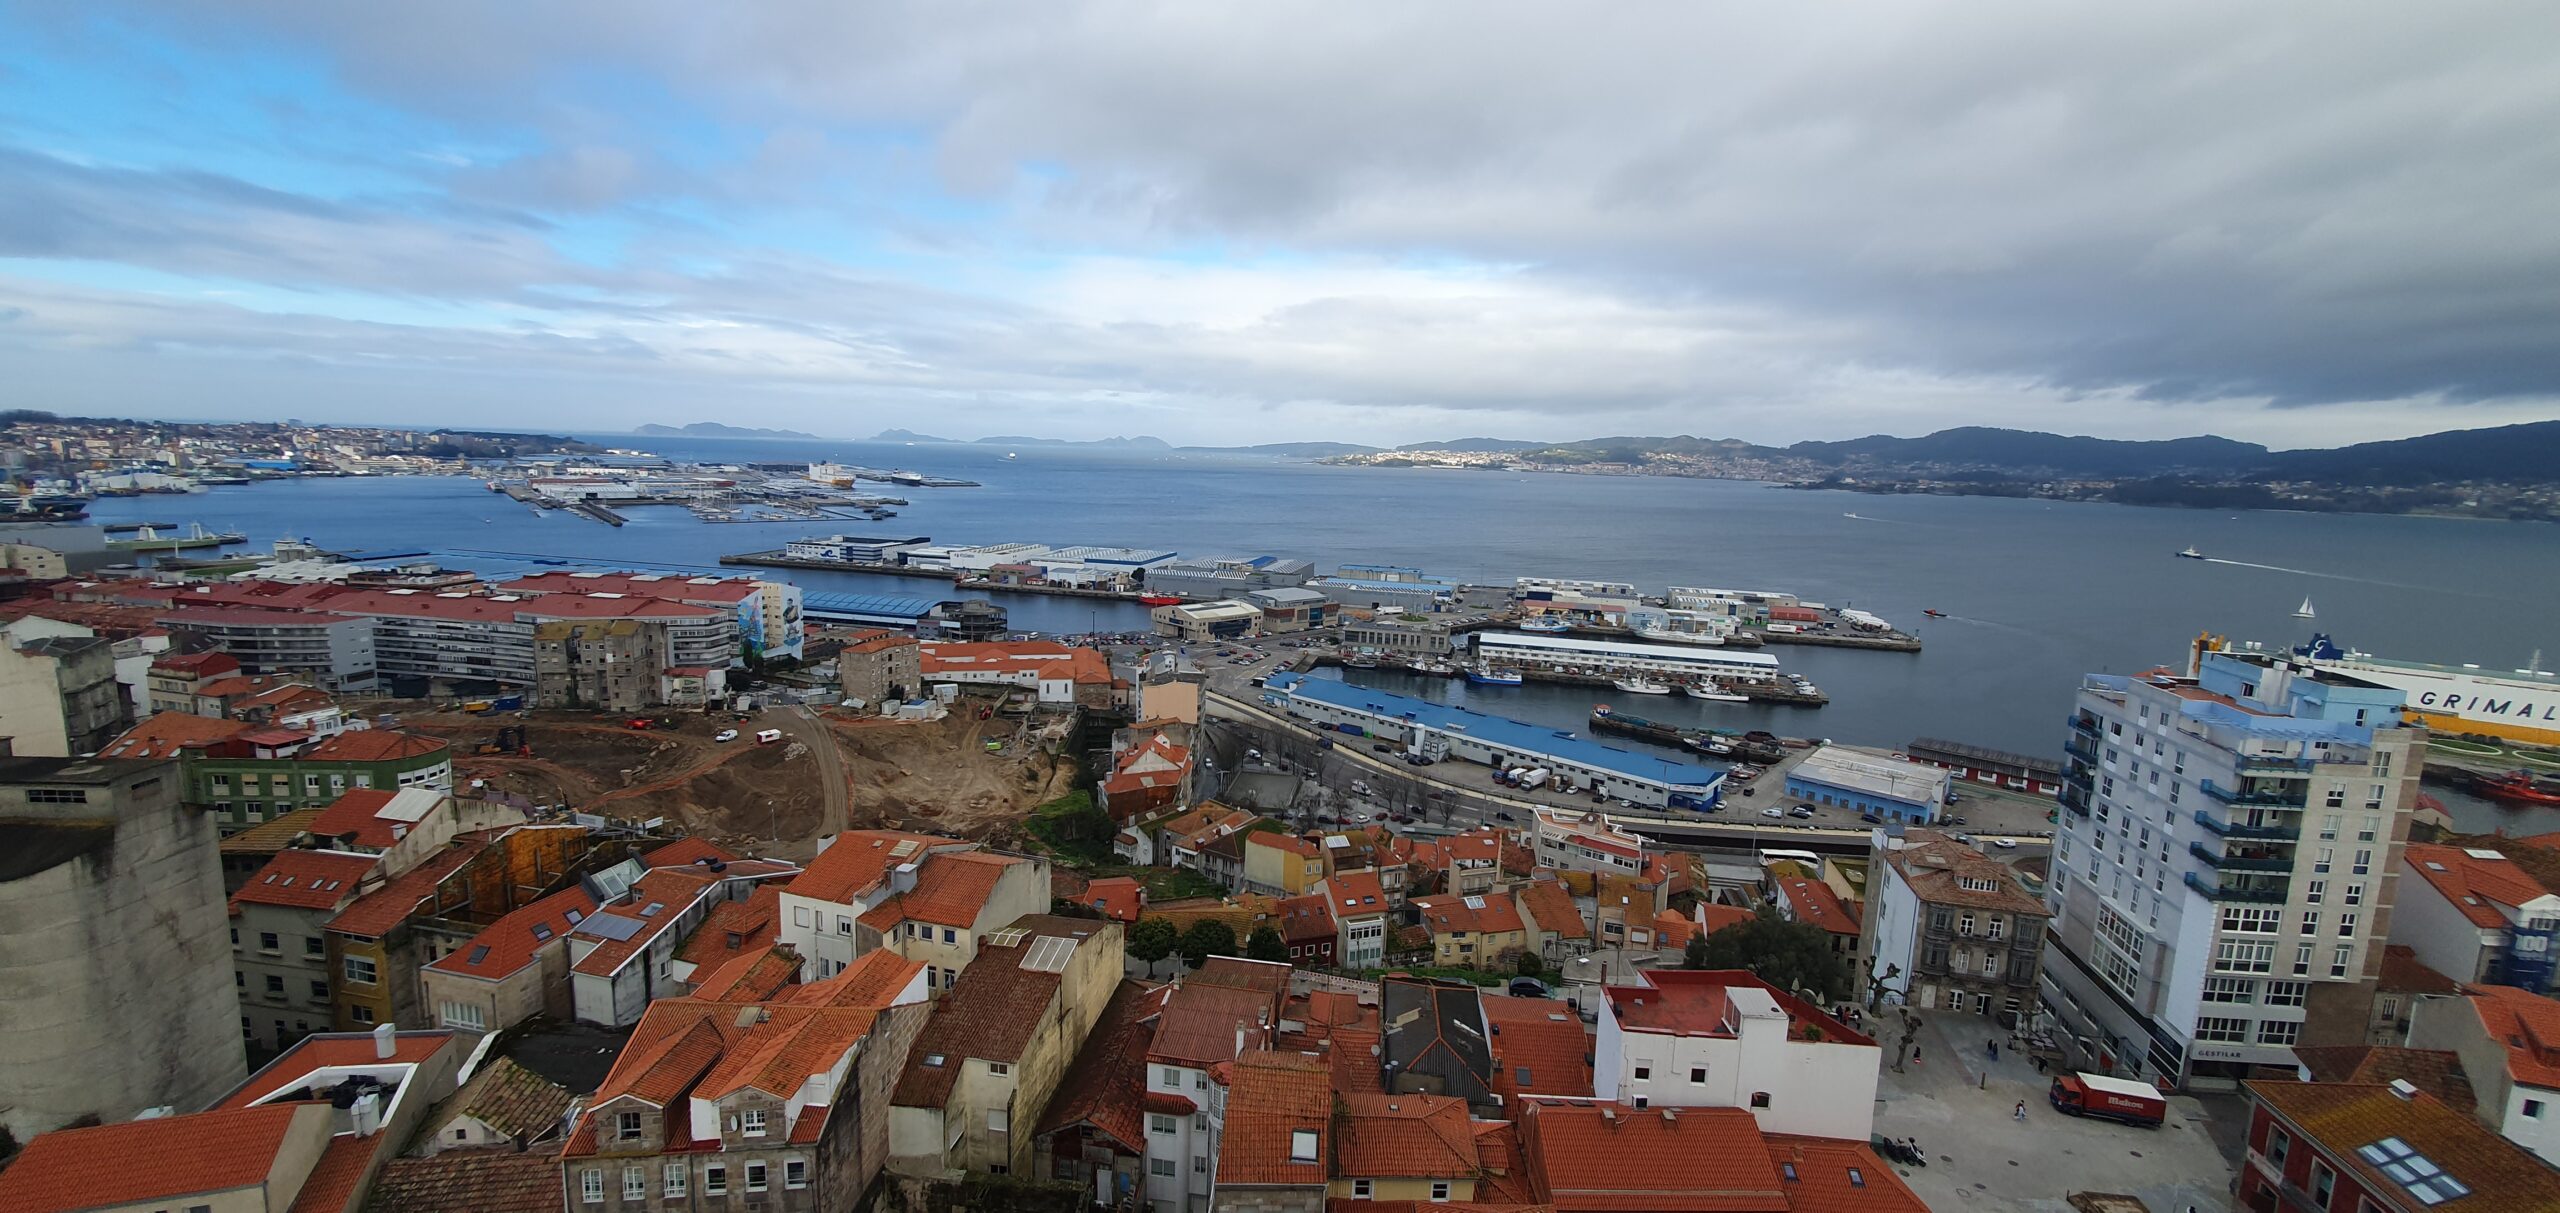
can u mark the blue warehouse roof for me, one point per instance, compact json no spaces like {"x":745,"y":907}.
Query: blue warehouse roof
{"x":1500,"y":732}
{"x":865,"y":606}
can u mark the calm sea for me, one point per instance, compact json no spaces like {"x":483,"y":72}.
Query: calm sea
{"x":2036,"y":592}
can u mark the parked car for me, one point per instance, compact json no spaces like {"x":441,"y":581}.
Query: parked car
{"x":2005,"y":844}
{"x":1955,"y":821}
{"x":1774,"y":811}
{"x":725,"y":735}
{"x":1501,"y":816}
{"x":1871,"y":819}
{"x":1528,"y":987}
{"x":1801,"y":811}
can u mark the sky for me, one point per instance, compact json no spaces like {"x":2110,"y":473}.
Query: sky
{"x":1222,"y":223}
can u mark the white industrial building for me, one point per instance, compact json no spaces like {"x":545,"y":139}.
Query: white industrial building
{"x":1614,"y":657}
{"x":1706,"y":1038}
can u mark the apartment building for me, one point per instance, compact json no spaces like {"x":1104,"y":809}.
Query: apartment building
{"x":59,"y":695}
{"x":986,"y":1065}
{"x":2222,"y":876}
{"x":334,"y":651}
{"x":1569,"y":840}
{"x":247,"y":773}
{"x":622,"y":956}
{"x":765,"y":614}
{"x":513,"y":970}
{"x":113,"y":892}
{"x":1229,"y":1008}
{"x":1948,"y":927}
{"x":280,"y":942}
{"x":1707,"y":1038}
{"x":880,"y":667}
{"x":2509,"y":1043}
{"x":1359,"y":907}
{"x":780,"y":1105}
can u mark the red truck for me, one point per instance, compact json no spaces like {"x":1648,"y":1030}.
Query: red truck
{"x":2134,"y":1103}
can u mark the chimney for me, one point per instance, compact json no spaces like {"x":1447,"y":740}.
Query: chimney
{"x":2404,"y":1088}
{"x":386,"y":1041}
{"x":365,"y":1115}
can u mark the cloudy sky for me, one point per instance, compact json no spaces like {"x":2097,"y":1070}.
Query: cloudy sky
{"x":2298,"y":224}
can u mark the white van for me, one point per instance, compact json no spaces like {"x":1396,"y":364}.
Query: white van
{"x":768,"y":736}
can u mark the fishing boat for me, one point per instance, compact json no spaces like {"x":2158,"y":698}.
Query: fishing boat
{"x":1710,"y":689}
{"x":1437,"y":669}
{"x":2304,"y":611}
{"x":2518,"y":787}
{"x":1663,"y":635}
{"x":1483,"y":677}
{"x":2191,"y":553}
{"x":1544,"y":624}
{"x":1640,"y":685}
{"x":1157,"y":600}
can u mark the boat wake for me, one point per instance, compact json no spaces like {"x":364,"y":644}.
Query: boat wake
{"x":2397,"y":585}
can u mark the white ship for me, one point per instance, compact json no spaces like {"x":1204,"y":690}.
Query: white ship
{"x":1710,"y":690}
{"x":1641,"y":685}
{"x":1662,"y":635}
{"x":2520,"y":705}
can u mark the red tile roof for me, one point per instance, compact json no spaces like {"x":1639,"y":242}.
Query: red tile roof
{"x":951,"y":891}
{"x":735,"y":928}
{"x":1694,"y":1002}
{"x":2527,"y":1026}
{"x":1548,"y":905}
{"x":375,"y":745}
{"x":1539,"y":1047}
{"x":333,"y":1179}
{"x":753,"y":977}
{"x":1489,"y":913}
{"x":2437,"y":1072}
{"x":1717,"y":917}
{"x":2404,"y":973}
{"x":2477,"y":883}
{"x":729,"y":590}
{"x":376,"y":913}
{"x":495,"y":1180}
{"x":1040,"y":658}
{"x":1287,"y":843}
{"x":686,"y":851}
{"x":2339,"y":1119}
{"x":510,"y":943}
{"x":145,"y":1160}
{"x":1672,"y":931}
{"x":1694,"y":1160}
{"x":1354,"y":1055}
{"x":197,"y":665}
{"x":1272,"y":1098}
{"x":306,"y":880}
{"x":1104,"y":1089}
{"x":1355,"y":894}
{"x":672,"y":890}
{"x":1201,"y":1022}
{"x":357,"y":814}
{"x":1120,"y":898}
{"x":859,"y":859}
{"x":874,"y":979}
{"x":1304,"y":919}
{"x":1814,"y":902}
{"x":164,"y":734}
{"x":1403,"y":1136}
{"x":327,"y":1049}
{"x":1503,"y":1171}
{"x":1832,"y":1176}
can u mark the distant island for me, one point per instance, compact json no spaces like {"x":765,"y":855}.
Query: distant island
{"x":2501,"y":472}
{"x":713,"y":429}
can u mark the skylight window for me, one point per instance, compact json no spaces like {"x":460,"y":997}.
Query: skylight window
{"x":541,"y":932}
{"x":478,"y":954}
{"x":2414,"y":1171}
{"x":651,"y":910}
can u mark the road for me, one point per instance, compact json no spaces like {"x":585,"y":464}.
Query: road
{"x":806,"y":726}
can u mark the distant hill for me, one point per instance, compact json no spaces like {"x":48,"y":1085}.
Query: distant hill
{"x":2529,"y":452}
{"x":906,"y":436}
{"x":1289,"y":450}
{"x":1489,"y":446}
{"x":2028,"y":451}
{"x":713,"y":429}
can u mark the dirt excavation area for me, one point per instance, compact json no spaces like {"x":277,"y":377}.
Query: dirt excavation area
{"x":969,"y":774}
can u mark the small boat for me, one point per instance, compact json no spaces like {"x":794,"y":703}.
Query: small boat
{"x":1640,"y":685}
{"x":2304,"y":611}
{"x":1544,"y":624}
{"x":1935,"y":614}
{"x":2191,"y":553}
{"x":1710,"y":690}
{"x":1480,"y":676}
{"x":1157,"y":600}
{"x":2518,"y":787}
{"x":1011,"y":455}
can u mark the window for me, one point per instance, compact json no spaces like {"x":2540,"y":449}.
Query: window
{"x":2346,"y":926}
{"x":950,"y":936}
{"x":751,"y":1122}
{"x":2329,"y":824}
{"x":2278,"y":1144}
{"x":626,"y":1127}
{"x":1162,"y":1126}
{"x":2311,"y":922}
{"x":795,"y":1173}
{"x":1302,"y":1145}
{"x":999,"y":1068}
{"x":591,"y":1185}
{"x":675,"y":1179}
{"x":2323,"y":1182}
{"x":2364,"y":862}
{"x":2243,"y":956}
{"x":755,"y":1177}
{"x":1698,"y":1074}
{"x":2355,"y":894}
{"x":715,"y":1181}
{"x":2279,"y":1032}
{"x":1360,"y":1189}
{"x":360,"y":1014}
{"x":275,"y":985}
{"x":1440,"y":1191}
{"x":2315,"y":891}
{"x":1643,"y":1073}
{"x":1160,"y":1166}
{"x":2338,"y":960}
{"x":1995,"y":928}
{"x":313,"y":945}
{"x":360,"y":970}
{"x":2324,"y":860}
{"x":1759,"y":1099}
{"x":1961,"y":962}
{"x":2228,"y":1031}
{"x":997,"y":1120}
{"x":267,"y":942}
{"x":319,"y":991}
{"x":1991,"y":964}
{"x":2256,"y":920}
{"x":635,"y":1183}
{"x":799,"y":916}
{"x":2288,"y":993}
{"x":2302,"y":960}
{"x":57,"y":796}
{"x":2533,"y":1109}
{"x":844,"y":924}
{"x":1964,"y":924}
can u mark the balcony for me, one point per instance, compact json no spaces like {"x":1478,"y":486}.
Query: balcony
{"x":2268,"y":766}
{"x":2085,"y":751}
{"x":2274,"y":896}
{"x":2075,"y":797}
{"x":2240,"y":863}
{"x":2079,"y":723}
{"x":2293,"y":798}
{"x":2234,"y":829}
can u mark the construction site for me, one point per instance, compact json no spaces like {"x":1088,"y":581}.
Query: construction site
{"x":974,"y":772}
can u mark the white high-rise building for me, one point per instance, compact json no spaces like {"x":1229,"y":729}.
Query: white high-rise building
{"x":2221,"y":876}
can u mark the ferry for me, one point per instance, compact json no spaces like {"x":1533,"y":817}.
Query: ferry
{"x":1544,"y":624}
{"x":1483,"y":677}
{"x":2191,"y":553}
{"x":2520,"y":705}
{"x":1640,"y":685}
{"x":1710,"y":690}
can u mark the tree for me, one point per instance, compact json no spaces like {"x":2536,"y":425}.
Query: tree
{"x":1531,"y":965}
{"x":1151,"y":940}
{"x":1206,"y":938}
{"x":1793,"y":956}
{"x":1266,"y":944}
{"x":1694,"y":956}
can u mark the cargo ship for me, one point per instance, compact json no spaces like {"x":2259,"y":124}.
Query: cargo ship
{"x":2520,"y":706}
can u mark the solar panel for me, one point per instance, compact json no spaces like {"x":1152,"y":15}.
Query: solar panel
{"x":608,"y":926}
{"x":1008,"y":937}
{"x":1049,"y":954}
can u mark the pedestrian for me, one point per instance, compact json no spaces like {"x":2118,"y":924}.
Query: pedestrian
{"x":1915,"y":1055}
{"x":2021,"y":1111}
{"x":1994,"y":1047}
{"x":2039,"y":1063}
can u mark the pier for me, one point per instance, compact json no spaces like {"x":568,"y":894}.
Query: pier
{"x":1888,"y":642}
{"x":775,"y":559}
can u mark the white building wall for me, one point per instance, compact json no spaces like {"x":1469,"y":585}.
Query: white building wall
{"x":1821,"y":1089}
{"x":2443,"y":938}
{"x":1893,"y":945}
{"x":2539,"y":1131}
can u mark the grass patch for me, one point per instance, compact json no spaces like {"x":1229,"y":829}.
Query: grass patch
{"x":2459,"y":746}
{"x":1074,"y":830}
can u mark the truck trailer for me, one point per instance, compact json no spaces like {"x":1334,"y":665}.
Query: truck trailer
{"x":2096,"y":1095}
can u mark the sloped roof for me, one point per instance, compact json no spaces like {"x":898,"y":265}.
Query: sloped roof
{"x":392,"y":904}
{"x":376,"y":745}
{"x":498,"y":1179}
{"x":2404,"y":973}
{"x":951,"y":890}
{"x":1693,"y":1002}
{"x":376,"y":817}
{"x":144,"y":1160}
{"x":1437,"y":1028}
{"x":2437,"y":1072}
{"x":1355,"y":894}
{"x":1826,"y":1175}
{"x":1694,"y":1160}
{"x":1200,"y":1023}
{"x":2527,"y":1025}
{"x":990,"y":1013}
{"x":1120,"y":898}
{"x":1272,"y":1098}
{"x":1549,"y":905}
{"x":1486,"y":913}
{"x":1304,"y":919}
{"x":2475,"y":882}
{"x":1393,"y":1136}
{"x":515,"y":937}
{"x":1938,"y":867}
{"x":858,"y":860}
{"x":1106,"y":1085}
{"x":751,"y":977}
{"x":1814,"y":902}
{"x":513,"y":1100}
{"x":2343,"y":1118}
{"x":333,"y":1179}
{"x":307,"y":880}
{"x":1539,"y":1047}
{"x":753,"y":924}
{"x":165,"y":734}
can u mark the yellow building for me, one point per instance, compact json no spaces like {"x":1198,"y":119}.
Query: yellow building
{"x":1404,"y":1147}
{"x":1483,"y":932}
{"x":1281,"y":865}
